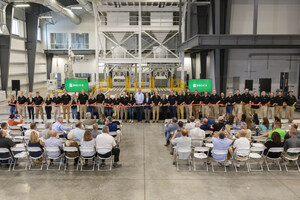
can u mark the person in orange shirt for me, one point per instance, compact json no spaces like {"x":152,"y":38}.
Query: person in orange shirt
{"x":12,"y":122}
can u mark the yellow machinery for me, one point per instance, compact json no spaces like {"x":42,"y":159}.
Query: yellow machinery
{"x":133,"y":84}
{"x":103,"y":84}
{"x":176,"y":84}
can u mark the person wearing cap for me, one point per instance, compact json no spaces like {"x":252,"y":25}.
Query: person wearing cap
{"x":218,"y":126}
{"x":279,"y":101}
{"x":290,"y":101}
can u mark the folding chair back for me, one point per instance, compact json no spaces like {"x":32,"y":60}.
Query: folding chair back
{"x":52,"y":150}
{"x":183,"y":154}
{"x":70,"y":149}
{"x":201,"y":149}
{"x":87,"y":150}
{"x":19,"y":152}
{"x":98,"y":149}
{"x":90,"y":127}
{"x":293,"y":150}
{"x":6,"y":150}
{"x":197,"y":143}
{"x":83,"y":152}
{"x":242,"y":152}
{"x":274,"y":150}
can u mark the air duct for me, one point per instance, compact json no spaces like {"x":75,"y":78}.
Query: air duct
{"x":87,"y":6}
{"x":3,"y":27}
{"x":54,"y":6}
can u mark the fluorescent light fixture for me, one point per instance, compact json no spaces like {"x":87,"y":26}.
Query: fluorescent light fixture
{"x":76,"y":8}
{"x":22,"y":5}
{"x":101,"y":64}
{"x":45,"y":17}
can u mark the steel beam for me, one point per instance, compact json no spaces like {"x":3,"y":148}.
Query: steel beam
{"x":193,"y":65}
{"x":188,"y":21}
{"x":102,"y":8}
{"x":5,"y":41}
{"x":49,"y":58}
{"x":203,"y":61}
{"x":65,"y":52}
{"x":255,"y":15}
{"x":31,"y":30}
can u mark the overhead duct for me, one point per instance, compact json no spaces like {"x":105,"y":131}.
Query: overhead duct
{"x":3,"y":27}
{"x":87,"y":6}
{"x":54,"y":6}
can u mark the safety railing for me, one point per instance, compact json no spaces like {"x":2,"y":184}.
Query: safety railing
{"x":176,"y":84}
{"x":134,"y":84}
{"x":103,"y":84}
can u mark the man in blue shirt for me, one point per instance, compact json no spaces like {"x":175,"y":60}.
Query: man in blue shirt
{"x":170,"y":127}
{"x":78,"y":131}
{"x":57,"y":126}
{"x":205,"y":125}
{"x":112,"y":126}
{"x":139,"y":98}
{"x":220,"y":142}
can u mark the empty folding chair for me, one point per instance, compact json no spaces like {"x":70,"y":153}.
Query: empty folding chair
{"x":241,"y":155}
{"x":99,"y":150}
{"x":200,"y":153}
{"x":255,"y":155}
{"x":84,"y":151}
{"x":71,"y":149}
{"x":32,"y":159}
{"x":278,"y":150}
{"x":54,"y":155}
{"x":20,"y":156}
{"x":8,"y":157}
{"x":183,"y":154}
{"x":292,"y":155}
{"x":221,"y":162}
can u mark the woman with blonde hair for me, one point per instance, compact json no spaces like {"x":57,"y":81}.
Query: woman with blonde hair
{"x":12,"y":108}
{"x":34,"y":141}
{"x":72,"y":143}
{"x":48,"y":107}
{"x":88,"y":142}
{"x":92,"y":102}
{"x":116,"y":102}
{"x":74,"y":106}
{"x":30,"y":108}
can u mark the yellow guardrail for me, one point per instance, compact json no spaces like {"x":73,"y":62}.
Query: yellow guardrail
{"x":103,"y":84}
{"x":176,"y":84}
{"x":134,"y":84}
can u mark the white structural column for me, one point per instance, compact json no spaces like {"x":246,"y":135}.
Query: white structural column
{"x":96,"y":17}
{"x":140,"y":45}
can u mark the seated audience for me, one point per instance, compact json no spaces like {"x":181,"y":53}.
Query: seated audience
{"x":265,"y":126}
{"x":88,"y":142}
{"x":230,"y":119}
{"x":12,"y":122}
{"x":277,"y":128}
{"x":33,"y":127}
{"x":114,"y":119}
{"x":95,"y":130}
{"x":205,"y":125}
{"x":169,"y":128}
{"x":244,"y":127}
{"x":182,"y":143}
{"x":53,"y":141}
{"x":34,"y":141}
{"x":295,"y":126}
{"x":274,"y":142}
{"x":5,"y":143}
{"x":45,"y":134}
{"x":241,"y":143}
{"x":106,"y":146}
{"x":189,"y":126}
{"x":72,"y":143}
{"x":102,"y":120}
{"x":292,"y":142}
{"x":211,"y":118}
{"x":89,"y":120}
{"x":4,"y":127}
{"x":243,"y":119}
{"x":255,"y":119}
{"x":58,"y":126}
{"x":218,"y":126}
{"x":250,"y":124}
{"x":78,"y":132}
{"x":220,"y":142}
{"x":197,"y":134}
{"x":113,"y":127}
{"x":180,"y":126}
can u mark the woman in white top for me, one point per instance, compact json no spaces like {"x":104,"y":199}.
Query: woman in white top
{"x":88,"y":142}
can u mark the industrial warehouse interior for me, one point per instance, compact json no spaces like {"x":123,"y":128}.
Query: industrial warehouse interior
{"x":149,"y":99}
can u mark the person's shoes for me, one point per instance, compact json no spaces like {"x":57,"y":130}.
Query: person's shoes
{"x":153,"y":122}
{"x":173,"y":162}
{"x":228,"y":163}
{"x":166,"y":144}
{"x":237,"y":165}
{"x":116,"y":165}
{"x":157,"y":121}
{"x":102,"y":164}
{"x":171,"y":153}
{"x":125,"y":121}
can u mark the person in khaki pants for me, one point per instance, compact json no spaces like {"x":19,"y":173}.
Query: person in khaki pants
{"x":271,"y":109}
{"x":57,"y":102}
{"x":237,"y":100}
{"x":188,"y":100}
{"x":196,"y":108}
{"x":222,"y":106}
{"x":290,"y":108}
{"x":100,"y":101}
{"x":124,"y":102}
{"x":180,"y":105}
{"x":255,"y":100}
{"x":22,"y":101}
{"x":156,"y":102}
{"x":83,"y":101}
{"x":264,"y":100}
{"x":66,"y":101}
{"x":214,"y":99}
{"x":39,"y":101}
{"x":205,"y":107}
{"x":246,"y":98}
{"x":279,"y":101}
{"x":116,"y":104}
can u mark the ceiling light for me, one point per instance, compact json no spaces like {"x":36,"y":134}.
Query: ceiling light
{"x":23,"y":5}
{"x":45,"y":17}
{"x":76,"y":8}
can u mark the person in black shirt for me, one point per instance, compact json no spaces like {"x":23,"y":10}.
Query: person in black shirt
{"x":147,"y":102}
{"x":196,"y":108}
{"x":264,"y":100}
{"x":290,"y":101}
{"x":74,"y":106}
{"x":12,"y":108}
{"x":172,"y":102}
{"x":124,"y":102}
{"x":100,"y":101}
{"x":56,"y":109}
{"x":271,"y":109}
{"x":156,"y":103}
{"x":66,"y":101}
{"x":246,"y":98}
{"x":237,"y":98}
{"x":131,"y":103}
{"x":229,"y":103}
{"x":83,"y":101}
{"x":22,"y":101}
{"x":30,"y":108}
{"x":116,"y":103}
{"x":5,"y":143}
{"x":108,"y":102}
{"x":164,"y":106}
{"x":48,"y":107}
{"x":206,"y":101}
{"x":222,"y":106}
{"x":279,"y":100}
{"x":188,"y":100}
{"x":180,"y":105}
{"x":38,"y":100}
{"x":91,"y":102}
{"x":255,"y":100}
{"x":214,"y":99}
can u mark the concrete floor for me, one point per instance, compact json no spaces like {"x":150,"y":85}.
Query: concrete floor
{"x":147,"y":173}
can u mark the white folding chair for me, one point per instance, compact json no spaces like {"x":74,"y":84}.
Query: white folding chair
{"x":256,"y":156}
{"x":86,"y":150}
{"x":102,"y":158}
{"x":200,"y":153}
{"x":291,"y":158}
{"x":15,"y":131}
{"x":90,"y":127}
{"x":71,"y":149}
{"x":183,"y":154}
{"x":241,"y":155}
{"x":222,"y":162}
{"x":276,"y":160}
{"x":197,"y":143}
{"x":20,"y":153}
{"x":9,"y":158}
{"x":55,"y":159}
{"x":33,"y":158}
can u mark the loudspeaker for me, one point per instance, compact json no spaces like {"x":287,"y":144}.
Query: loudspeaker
{"x":249,"y":84}
{"x":265,"y":84}
{"x":15,"y":84}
